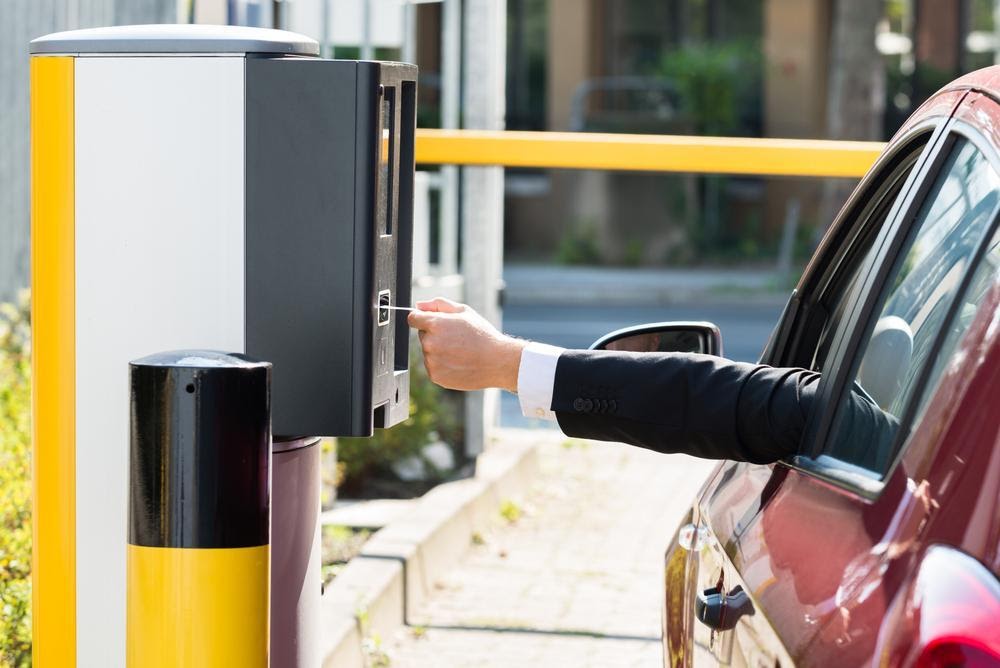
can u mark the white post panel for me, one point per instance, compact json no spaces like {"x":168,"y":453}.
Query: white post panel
{"x":482,"y":202}
{"x":159,"y":266}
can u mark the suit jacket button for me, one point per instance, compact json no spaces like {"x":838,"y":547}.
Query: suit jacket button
{"x":578,"y":405}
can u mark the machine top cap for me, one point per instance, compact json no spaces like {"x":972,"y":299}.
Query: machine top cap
{"x":175,"y":38}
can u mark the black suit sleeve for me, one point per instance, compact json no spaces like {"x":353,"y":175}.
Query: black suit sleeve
{"x":700,"y":405}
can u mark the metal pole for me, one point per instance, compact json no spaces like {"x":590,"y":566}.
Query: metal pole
{"x":278,"y":18}
{"x":325,"y":49}
{"x":367,"y":50}
{"x":409,"y":50}
{"x":483,"y":103}
{"x":199,"y":510}
{"x":296,"y":581}
{"x":451,"y":90}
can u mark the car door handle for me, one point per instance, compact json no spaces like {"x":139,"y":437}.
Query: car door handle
{"x":720,"y":611}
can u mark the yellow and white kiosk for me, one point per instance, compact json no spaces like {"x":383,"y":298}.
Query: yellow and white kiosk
{"x":200,"y":187}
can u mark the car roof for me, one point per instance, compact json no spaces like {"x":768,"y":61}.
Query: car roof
{"x":986,"y":80}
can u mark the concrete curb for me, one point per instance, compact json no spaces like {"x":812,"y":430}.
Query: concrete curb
{"x":399,"y":564}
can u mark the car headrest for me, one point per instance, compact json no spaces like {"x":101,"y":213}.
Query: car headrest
{"x":887,"y":360}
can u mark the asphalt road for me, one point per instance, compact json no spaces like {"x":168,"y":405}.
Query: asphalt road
{"x":745,"y":329}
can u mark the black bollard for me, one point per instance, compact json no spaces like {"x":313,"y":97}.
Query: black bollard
{"x":199,"y":510}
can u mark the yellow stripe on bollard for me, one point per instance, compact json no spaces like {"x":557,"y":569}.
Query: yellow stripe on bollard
{"x":53,"y":361}
{"x":198,"y":607}
{"x":652,"y":153}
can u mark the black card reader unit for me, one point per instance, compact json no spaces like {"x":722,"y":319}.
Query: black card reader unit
{"x":329,"y":228}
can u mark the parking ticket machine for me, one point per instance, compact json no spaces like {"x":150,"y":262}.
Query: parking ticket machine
{"x":329,"y":192}
{"x":202,"y":187}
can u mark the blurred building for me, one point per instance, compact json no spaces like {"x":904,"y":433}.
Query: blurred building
{"x":713,"y":67}
{"x":710,"y":67}
{"x":657,"y":66}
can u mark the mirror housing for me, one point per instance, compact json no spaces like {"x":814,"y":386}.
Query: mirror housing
{"x":664,"y":337}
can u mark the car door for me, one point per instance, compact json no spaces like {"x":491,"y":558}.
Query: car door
{"x":891,"y":353}
{"x":732,"y":500}
{"x":774,"y":540}
{"x":818,"y":555}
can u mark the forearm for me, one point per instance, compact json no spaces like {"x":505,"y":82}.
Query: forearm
{"x":696,"y":404}
{"x":669,"y":402}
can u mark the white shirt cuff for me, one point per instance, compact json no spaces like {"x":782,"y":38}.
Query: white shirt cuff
{"x":536,"y":377}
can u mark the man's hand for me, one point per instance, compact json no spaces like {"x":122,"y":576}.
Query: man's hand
{"x":462,"y":350}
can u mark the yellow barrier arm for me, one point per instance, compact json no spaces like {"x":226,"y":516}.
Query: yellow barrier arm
{"x":647,"y":153}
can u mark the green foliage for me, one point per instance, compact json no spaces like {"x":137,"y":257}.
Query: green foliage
{"x":571,"y":443}
{"x":341,"y":544}
{"x":371,"y":643}
{"x":715,"y":82}
{"x":510,"y":511}
{"x":432,"y":417}
{"x":579,"y":245}
{"x":632,"y":256}
{"x":15,"y":483}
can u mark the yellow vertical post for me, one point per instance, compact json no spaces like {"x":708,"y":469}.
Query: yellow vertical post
{"x":53,"y":360}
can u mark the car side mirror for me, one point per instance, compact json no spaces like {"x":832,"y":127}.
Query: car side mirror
{"x":664,"y":337}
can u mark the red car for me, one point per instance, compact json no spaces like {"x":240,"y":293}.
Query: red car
{"x":872,"y":549}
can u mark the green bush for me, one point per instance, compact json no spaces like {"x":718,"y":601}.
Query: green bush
{"x":718,"y":84}
{"x":15,"y":483}
{"x":580,"y":245}
{"x":432,"y":416}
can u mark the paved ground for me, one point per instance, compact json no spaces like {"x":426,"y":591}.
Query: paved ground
{"x":576,"y":580}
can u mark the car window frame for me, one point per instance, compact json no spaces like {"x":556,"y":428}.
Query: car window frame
{"x":838,"y":254}
{"x":848,"y":346}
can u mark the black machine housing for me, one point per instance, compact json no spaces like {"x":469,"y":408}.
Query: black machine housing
{"x":329,"y":235}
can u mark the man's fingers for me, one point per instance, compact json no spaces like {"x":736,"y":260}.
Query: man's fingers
{"x":420,"y":320}
{"x":441,"y":305}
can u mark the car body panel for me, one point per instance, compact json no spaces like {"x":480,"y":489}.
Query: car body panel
{"x":828,"y":568}
{"x":952,"y":600}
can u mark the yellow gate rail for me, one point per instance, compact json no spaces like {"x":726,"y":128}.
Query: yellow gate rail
{"x":650,"y":153}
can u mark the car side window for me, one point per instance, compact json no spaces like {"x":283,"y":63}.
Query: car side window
{"x":845,"y":298}
{"x":914,"y":308}
{"x":986,"y":269}
{"x":833,"y":293}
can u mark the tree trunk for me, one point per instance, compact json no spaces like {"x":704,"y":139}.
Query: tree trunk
{"x":855,"y":88}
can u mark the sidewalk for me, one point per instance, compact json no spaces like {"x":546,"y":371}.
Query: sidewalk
{"x":576,"y":580}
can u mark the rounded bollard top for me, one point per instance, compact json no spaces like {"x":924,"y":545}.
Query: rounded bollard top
{"x":200,"y":359}
{"x":175,"y":38}
{"x":199,"y":450}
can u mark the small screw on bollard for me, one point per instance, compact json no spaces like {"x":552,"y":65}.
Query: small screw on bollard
{"x":199,"y":509}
